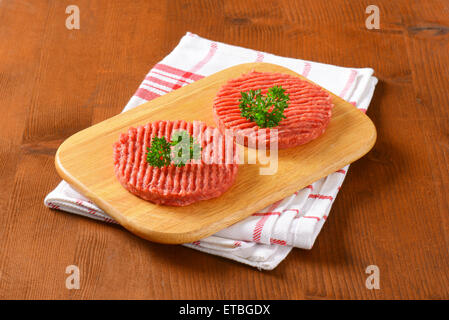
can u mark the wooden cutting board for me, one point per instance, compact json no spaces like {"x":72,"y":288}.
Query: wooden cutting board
{"x":85,"y":161}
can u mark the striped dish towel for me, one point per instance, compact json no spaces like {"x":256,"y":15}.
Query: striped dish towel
{"x":264,"y":239}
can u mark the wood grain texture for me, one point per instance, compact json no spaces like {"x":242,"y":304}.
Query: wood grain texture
{"x":392,"y":210}
{"x":85,"y":161}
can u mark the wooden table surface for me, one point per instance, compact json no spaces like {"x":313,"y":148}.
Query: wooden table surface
{"x":393,"y":208}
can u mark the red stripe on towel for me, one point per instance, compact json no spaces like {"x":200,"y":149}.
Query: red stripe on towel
{"x":320,"y":196}
{"x":261,"y":214}
{"x":210,"y":54}
{"x":53,"y":206}
{"x":350,"y":81}
{"x":260,"y":57}
{"x":146,"y":94}
{"x":178,"y":72}
{"x":257,"y":232}
{"x":191,"y":74}
{"x":310,"y":217}
{"x":307,"y":67}
{"x":163,"y":83}
{"x":166,"y":76}
{"x":258,"y":228}
{"x":277,"y":241}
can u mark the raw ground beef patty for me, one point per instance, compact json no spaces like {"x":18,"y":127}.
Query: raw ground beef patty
{"x":307,"y":116}
{"x":198,"y":180}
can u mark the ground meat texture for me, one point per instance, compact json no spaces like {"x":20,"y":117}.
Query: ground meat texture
{"x":307,"y":115}
{"x":202,"y":179}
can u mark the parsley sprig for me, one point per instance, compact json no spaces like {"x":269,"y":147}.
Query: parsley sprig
{"x":158,"y":154}
{"x":182,"y":149}
{"x":266,"y":111}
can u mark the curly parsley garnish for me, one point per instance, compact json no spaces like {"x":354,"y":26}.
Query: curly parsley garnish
{"x":180,"y":151}
{"x":266,"y":111}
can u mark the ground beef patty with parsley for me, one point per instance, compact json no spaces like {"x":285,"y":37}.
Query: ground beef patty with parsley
{"x":202,"y":179}
{"x":307,"y":115}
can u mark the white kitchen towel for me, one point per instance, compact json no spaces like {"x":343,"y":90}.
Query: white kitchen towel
{"x":264,"y":239}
